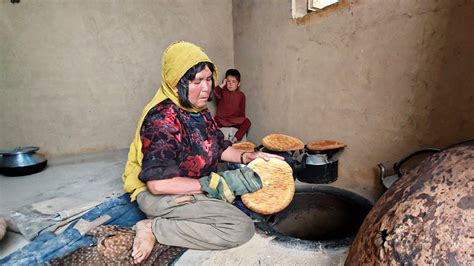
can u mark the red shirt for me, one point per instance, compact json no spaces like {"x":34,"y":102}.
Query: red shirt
{"x":230,"y":107}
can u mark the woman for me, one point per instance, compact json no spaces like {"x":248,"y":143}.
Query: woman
{"x":173,"y":158}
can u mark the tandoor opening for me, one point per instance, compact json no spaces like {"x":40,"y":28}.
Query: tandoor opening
{"x":326,"y":214}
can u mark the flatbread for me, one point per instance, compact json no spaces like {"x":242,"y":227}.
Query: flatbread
{"x":245,"y":146}
{"x":323,"y":145}
{"x":278,"y":186}
{"x":280,"y":142}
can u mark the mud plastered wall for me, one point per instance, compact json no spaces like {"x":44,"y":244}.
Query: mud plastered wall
{"x":385,"y":78}
{"x":75,"y":75}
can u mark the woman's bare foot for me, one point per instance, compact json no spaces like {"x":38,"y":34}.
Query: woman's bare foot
{"x":143,"y":242}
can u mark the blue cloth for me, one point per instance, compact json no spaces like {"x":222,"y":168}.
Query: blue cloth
{"x":48,"y":245}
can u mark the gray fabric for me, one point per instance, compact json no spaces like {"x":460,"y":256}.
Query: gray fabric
{"x":239,"y":181}
{"x":243,"y":180}
{"x":48,"y":215}
{"x":84,"y":226}
{"x":197,"y":223}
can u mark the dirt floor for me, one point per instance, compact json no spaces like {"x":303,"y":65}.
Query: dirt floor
{"x":97,"y":177}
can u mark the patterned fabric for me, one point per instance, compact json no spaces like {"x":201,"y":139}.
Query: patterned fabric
{"x":179,"y":143}
{"x":48,"y":246}
{"x":114,"y":247}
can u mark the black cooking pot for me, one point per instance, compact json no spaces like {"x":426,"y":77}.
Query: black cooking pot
{"x":21,"y":161}
{"x":319,"y":167}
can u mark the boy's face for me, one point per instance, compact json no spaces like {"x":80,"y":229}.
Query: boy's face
{"x":232,"y":83}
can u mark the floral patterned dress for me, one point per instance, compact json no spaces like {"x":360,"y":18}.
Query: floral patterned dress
{"x":179,"y":143}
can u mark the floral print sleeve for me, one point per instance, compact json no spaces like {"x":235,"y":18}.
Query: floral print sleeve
{"x":179,"y":143}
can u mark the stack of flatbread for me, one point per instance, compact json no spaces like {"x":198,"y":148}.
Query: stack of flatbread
{"x":246,"y":146}
{"x":324,"y":145}
{"x":280,"y":142}
{"x":278,"y":187}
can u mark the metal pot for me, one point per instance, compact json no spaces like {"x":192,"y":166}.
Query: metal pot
{"x":319,"y":167}
{"x":408,"y":162}
{"x":21,"y":161}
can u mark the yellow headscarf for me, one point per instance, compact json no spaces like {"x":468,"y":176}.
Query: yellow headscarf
{"x":178,"y":58}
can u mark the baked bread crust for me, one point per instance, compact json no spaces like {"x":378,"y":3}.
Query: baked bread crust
{"x":246,"y":146}
{"x":323,"y":145}
{"x":278,"y":186}
{"x":281,"y":142}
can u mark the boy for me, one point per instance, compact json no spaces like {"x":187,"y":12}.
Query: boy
{"x":231,"y":105}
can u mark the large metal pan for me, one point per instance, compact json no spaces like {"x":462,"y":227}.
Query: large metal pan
{"x":21,"y":161}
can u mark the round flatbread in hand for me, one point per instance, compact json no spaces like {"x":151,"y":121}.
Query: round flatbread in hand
{"x":278,"y":186}
{"x":280,"y":142}
{"x":245,"y":146}
{"x":324,"y":145}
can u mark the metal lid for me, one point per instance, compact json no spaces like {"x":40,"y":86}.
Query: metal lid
{"x":19,"y":150}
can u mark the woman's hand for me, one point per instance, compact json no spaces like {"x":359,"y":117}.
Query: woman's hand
{"x":250,"y":156}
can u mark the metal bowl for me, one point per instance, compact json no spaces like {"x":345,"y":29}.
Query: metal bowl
{"x":21,"y":161}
